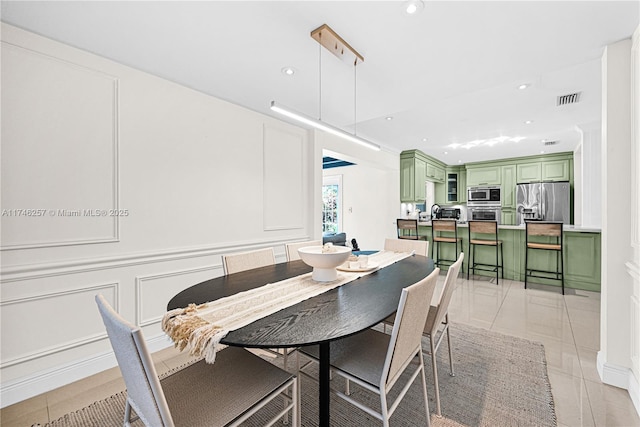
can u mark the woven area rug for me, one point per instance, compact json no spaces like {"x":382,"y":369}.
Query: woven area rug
{"x":500,"y":381}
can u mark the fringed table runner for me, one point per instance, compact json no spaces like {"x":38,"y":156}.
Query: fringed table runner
{"x":202,"y":327}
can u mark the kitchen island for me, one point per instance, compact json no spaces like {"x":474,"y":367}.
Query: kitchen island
{"x":582,"y":254}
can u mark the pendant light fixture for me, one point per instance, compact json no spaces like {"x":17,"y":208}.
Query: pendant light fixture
{"x":330,"y":40}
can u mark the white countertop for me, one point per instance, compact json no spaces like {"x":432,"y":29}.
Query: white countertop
{"x":566,"y":228}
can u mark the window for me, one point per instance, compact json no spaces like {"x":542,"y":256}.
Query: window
{"x":331,"y":204}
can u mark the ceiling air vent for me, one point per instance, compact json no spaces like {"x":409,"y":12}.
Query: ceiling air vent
{"x":547,"y":143}
{"x":571,"y":98}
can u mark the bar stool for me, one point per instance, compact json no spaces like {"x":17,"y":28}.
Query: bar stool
{"x":547,"y":230}
{"x":408,"y":229}
{"x":444,"y":225}
{"x":487,"y":228}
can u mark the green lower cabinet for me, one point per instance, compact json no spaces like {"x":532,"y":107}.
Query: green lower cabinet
{"x":582,"y":257}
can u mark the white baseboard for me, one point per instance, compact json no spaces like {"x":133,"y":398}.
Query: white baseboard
{"x":44,"y":381}
{"x":614,"y":375}
{"x":621,"y":377}
{"x":634,"y":391}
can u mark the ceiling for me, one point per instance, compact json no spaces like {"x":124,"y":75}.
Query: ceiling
{"x":446,"y":75}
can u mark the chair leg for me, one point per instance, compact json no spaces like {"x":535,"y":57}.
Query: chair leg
{"x":562,"y":270}
{"x":526,"y":265}
{"x":384,"y":409}
{"x":469,"y":261}
{"x":502,"y":260}
{"x":497,"y":266}
{"x":452,"y":373}
{"x":434,"y":365}
{"x":424,"y":389}
{"x":127,"y":415}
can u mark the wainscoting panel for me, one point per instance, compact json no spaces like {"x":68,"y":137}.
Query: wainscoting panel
{"x":154,"y":291}
{"x":59,"y":152}
{"x":52,"y":322}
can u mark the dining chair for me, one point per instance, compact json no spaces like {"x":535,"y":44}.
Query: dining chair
{"x":437,"y":324}
{"x":437,"y":317}
{"x":421,"y":247}
{"x":241,"y":261}
{"x":408,"y":229}
{"x":376,"y":361}
{"x":292,"y":248}
{"x":225,"y":393}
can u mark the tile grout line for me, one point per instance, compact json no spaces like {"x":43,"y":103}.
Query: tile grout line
{"x":584,"y":384}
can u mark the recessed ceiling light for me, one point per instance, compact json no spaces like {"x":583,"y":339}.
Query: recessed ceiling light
{"x":389,"y":118}
{"x":289,"y":71}
{"x":459,"y":161}
{"x":446,"y":152}
{"x":524,"y":86}
{"x":424,"y":139}
{"x":542,"y":152}
{"x":528,"y":122}
{"x":412,"y":7}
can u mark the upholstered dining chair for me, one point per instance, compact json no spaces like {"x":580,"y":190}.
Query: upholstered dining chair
{"x":438,"y":316}
{"x":376,"y":361}
{"x":225,"y":393}
{"x":437,"y":324}
{"x":241,"y":261}
{"x":421,"y":247}
{"x":292,"y":248}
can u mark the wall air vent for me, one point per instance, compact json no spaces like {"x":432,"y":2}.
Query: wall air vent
{"x":571,"y":98}
{"x":547,"y":143}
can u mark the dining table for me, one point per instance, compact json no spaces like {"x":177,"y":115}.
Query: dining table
{"x":337,"y":313}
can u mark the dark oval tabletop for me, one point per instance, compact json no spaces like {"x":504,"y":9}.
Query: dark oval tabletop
{"x":340,"y":312}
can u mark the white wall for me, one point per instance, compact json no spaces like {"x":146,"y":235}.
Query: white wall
{"x":197,"y":176}
{"x":619,"y":332}
{"x":591,"y":197}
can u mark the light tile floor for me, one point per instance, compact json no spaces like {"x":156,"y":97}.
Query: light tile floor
{"x":567,"y":326}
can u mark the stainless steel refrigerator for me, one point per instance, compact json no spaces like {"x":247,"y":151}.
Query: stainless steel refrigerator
{"x":543,"y":201}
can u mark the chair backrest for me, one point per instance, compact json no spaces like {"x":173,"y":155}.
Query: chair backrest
{"x":234,"y":263}
{"x":536,"y":228}
{"x":407,"y":228}
{"x":421,"y":247}
{"x":144,"y":391}
{"x":408,"y":326}
{"x":483,"y":227}
{"x":444,"y":224}
{"x":292,"y":248}
{"x":445,"y":297}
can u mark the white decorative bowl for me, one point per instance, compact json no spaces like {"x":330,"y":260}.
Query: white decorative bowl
{"x":324,"y":263}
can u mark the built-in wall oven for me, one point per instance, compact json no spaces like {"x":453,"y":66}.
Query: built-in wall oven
{"x":484,"y":213}
{"x":484,"y":203}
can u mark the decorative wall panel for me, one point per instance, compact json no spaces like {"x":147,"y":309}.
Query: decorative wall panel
{"x":283,"y":178}
{"x":59,"y":152}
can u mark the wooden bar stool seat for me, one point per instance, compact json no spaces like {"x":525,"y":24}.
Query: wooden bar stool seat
{"x":548,"y":231}
{"x":439,"y":226}
{"x":488,"y":230}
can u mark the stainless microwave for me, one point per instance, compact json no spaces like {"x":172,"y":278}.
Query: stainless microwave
{"x":484,"y":195}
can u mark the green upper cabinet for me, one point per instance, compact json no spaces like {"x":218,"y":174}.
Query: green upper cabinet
{"x":455,"y":185}
{"x":412,"y":179}
{"x":556,"y":170}
{"x":546,"y":170}
{"x":508,"y":186}
{"x":486,"y":175}
{"x":529,"y":172}
{"x":415,"y":169}
{"x":435,"y":173}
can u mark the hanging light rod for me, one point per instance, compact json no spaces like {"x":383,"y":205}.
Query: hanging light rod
{"x":322,"y":126}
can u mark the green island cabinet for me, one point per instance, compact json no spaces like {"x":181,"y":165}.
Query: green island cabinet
{"x":416,"y":168}
{"x":582,"y":256}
